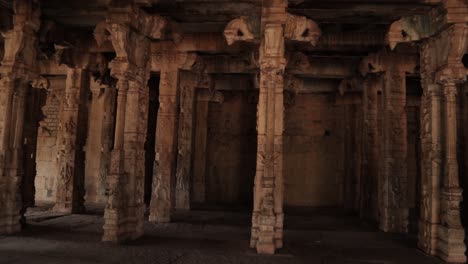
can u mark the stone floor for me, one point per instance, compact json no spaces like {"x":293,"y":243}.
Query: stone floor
{"x":208,"y":236}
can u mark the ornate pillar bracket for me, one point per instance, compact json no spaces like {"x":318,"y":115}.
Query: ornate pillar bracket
{"x":297,"y":28}
{"x":154,"y":27}
{"x":17,"y":70}
{"x":419,"y":27}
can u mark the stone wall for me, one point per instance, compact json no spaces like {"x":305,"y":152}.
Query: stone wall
{"x":231,"y":149}
{"x":46,"y":160}
{"x":314,"y":153}
{"x":414,"y":157}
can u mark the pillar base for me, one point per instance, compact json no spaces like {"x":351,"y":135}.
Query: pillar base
{"x":120,"y":232}
{"x":266,"y":242}
{"x":451,"y":244}
{"x":159,"y":218}
{"x":67,"y":209}
{"x":427,"y":237}
{"x":10,"y":226}
{"x":182,"y":201}
{"x":394,"y":220}
{"x":266,"y":248}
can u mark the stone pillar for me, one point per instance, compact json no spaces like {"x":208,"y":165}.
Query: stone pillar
{"x":394,"y":211}
{"x":267,"y":216}
{"x":185,"y":140}
{"x":441,"y":231}
{"x":276,"y":25}
{"x":370,"y":168}
{"x":70,"y":189}
{"x":99,"y":141}
{"x":430,"y":168}
{"x":162,"y":200}
{"x":125,"y":208}
{"x":124,"y":214}
{"x":164,"y":171}
{"x":451,"y":233}
{"x":17,"y":69}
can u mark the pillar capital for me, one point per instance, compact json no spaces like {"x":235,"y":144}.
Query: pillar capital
{"x":250,"y":29}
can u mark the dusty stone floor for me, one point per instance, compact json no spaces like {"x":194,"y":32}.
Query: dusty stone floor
{"x":317,"y":236}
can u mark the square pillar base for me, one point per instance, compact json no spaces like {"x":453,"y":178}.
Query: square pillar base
{"x":451,"y":244}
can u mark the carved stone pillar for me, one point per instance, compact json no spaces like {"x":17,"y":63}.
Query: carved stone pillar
{"x":17,"y":69}
{"x":115,"y":214}
{"x":267,"y":216}
{"x":392,"y":184}
{"x":370,"y":165}
{"x":164,"y":171}
{"x":185,"y":140}
{"x":70,"y":189}
{"x":99,"y":141}
{"x":441,"y":231}
{"x":430,"y":168}
{"x":125,"y":208}
{"x":162,"y":199}
{"x":451,"y":233}
{"x":394,"y":211}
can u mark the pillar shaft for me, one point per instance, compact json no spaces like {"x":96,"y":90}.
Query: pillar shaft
{"x":267,"y":217}
{"x":451,"y":233}
{"x":17,"y":69}
{"x":70,"y":189}
{"x":185,"y":140}
{"x":11,"y":124}
{"x":99,"y":141}
{"x":430,"y":168}
{"x":370,"y":169}
{"x":163,"y":197}
{"x":125,"y":208}
{"x":394,"y":211}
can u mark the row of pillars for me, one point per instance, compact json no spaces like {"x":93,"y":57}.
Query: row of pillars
{"x":441,"y":232}
{"x":384,"y":181}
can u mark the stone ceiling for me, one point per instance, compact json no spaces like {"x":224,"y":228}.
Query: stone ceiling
{"x":351,"y":28}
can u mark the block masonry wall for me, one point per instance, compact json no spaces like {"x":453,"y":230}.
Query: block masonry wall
{"x":46,"y":160}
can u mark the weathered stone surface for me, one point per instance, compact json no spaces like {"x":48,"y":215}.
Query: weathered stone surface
{"x":325,"y":135}
{"x":164,"y":170}
{"x":18,"y":69}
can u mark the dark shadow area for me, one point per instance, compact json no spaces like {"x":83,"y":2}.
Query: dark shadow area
{"x":153,"y":84}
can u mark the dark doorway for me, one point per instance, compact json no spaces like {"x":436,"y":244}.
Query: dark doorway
{"x":151,"y":135}
{"x":35,"y":100}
